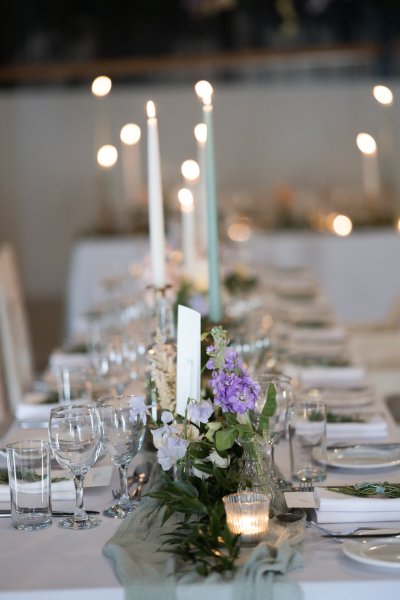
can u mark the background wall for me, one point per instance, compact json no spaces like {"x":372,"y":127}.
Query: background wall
{"x":265,"y":133}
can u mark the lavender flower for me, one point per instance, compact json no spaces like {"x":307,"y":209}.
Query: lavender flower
{"x":233,"y":388}
{"x":138,"y":409}
{"x":200,"y":412}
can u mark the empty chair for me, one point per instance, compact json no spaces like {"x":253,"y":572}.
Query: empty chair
{"x":14,"y":330}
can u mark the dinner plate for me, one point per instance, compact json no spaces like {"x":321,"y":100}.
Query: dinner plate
{"x":363,"y":456}
{"x":379,"y":552}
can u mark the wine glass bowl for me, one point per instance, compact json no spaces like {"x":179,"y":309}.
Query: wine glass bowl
{"x":75,"y":440}
{"x":122,"y":437}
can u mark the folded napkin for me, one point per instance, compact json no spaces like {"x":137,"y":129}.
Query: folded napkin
{"x":34,"y":407}
{"x":60,"y":490}
{"x":335,"y":507}
{"x":373,"y":426}
{"x":352,"y":375}
{"x":58,"y":358}
{"x":320,"y":334}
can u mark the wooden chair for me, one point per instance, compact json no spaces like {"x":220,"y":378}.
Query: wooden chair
{"x":15,"y":338}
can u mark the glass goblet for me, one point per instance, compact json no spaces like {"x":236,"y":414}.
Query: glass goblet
{"x":75,"y":439}
{"x":278,"y":423}
{"x":122,"y":438}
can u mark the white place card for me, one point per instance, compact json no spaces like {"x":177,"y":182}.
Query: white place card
{"x":188,"y":357}
{"x":301,"y":500}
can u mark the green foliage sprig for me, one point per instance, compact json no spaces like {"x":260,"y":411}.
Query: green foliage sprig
{"x":370,"y":490}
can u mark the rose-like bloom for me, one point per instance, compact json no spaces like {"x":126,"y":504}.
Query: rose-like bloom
{"x":138,"y":409}
{"x":200,"y":412}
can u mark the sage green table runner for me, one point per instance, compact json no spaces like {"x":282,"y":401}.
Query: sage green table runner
{"x":147,"y":572}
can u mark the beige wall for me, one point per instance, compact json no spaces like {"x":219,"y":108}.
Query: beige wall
{"x":264,"y":134}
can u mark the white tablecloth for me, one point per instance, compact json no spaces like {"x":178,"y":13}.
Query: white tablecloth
{"x":54,"y":564}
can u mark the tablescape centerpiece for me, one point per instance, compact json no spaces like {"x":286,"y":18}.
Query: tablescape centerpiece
{"x":209,"y":452}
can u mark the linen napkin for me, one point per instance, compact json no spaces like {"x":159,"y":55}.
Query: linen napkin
{"x":318,"y":335}
{"x":352,"y":375}
{"x":58,"y":358}
{"x":335,"y":507}
{"x":34,"y":407}
{"x":60,"y":490}
{"x":373,"y":425}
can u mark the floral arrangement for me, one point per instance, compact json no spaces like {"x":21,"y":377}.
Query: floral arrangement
{"x":200,"y":455}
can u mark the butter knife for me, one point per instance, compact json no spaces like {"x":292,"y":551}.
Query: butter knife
{"x":382,"y":446}
{"x":55,"y":513}
{"x":367,"y":533}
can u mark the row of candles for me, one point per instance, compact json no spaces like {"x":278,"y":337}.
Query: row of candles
{"x":206,"y":197}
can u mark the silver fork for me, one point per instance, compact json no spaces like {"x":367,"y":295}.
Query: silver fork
{"x":306,"y":486}
{"x":336,"y":535}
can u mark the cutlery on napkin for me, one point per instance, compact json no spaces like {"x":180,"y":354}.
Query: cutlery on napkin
{"x":370,"y":425}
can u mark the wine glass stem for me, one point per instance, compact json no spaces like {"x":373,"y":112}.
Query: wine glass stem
{"x":123,"y":477}
{"x":80,"y":512}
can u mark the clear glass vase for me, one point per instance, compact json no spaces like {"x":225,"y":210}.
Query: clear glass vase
{"x":254,"y":472}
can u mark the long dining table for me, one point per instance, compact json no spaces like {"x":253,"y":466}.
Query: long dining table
{"x":54,"y":564}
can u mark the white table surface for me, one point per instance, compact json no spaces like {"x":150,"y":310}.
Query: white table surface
{"x":54,"y":564}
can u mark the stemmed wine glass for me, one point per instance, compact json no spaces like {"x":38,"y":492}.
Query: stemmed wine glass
{"x":122,"y":437}
{"x":278,"y":423}
{"x":75,"y":439}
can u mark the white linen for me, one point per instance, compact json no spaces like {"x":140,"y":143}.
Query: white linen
{"x":342,"y":508}
{"x":58,"y":358}
{"x":375,"y":426}
{"x":353,"y":375}
{"x":34,"y":407}
{"x":60,"y":490}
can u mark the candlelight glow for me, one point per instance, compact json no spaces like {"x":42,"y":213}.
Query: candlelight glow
{"x":107,"y":156}
{"x":342,"y":225}
{"x":185,"y":198}
{"x":383,"y":94}
{"x":151,"y":109}
{"x":200,"y":133}
{"x":101,"y":86}
{"x":130,"y":134}
{"x":190,"y":170}
{"x":239,"y":232}
{"x":398,"y":225}
{"x":204,"y":90}
{"x":366,"y":144}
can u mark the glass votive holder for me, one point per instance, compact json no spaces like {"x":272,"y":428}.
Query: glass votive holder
{"x":247,"y":515}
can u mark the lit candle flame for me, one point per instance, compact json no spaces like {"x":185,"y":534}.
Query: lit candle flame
{"x":101,"y":86}
{"x":190,"y":170}
{"x":107,"y":156}
{"x":200,"y":133}
{"x":204,"y":90}
{"x":342,"y":225}
{"x":185,"y":198}
{"x":151,"y":109}
{"x":383,"y":94}
{"x":366,"y":144}
{"x":130,"y":134}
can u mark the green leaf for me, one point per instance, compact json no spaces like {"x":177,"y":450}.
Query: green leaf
{"x":225,"y":438}
{"x":268,"y":410}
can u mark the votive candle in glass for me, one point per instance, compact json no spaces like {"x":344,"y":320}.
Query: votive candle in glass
{"x":247,"y":515}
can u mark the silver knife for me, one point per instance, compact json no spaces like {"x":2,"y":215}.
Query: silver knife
{"x":382,"y":446}
{"x":55,"y":513}
{"x":367,"y":533}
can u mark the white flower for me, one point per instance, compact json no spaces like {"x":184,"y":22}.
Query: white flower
{"x":200,"y":474}
{"x":218,"y":460}
{"x":171,"y":451}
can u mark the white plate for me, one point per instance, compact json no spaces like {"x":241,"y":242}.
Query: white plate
{"x":359,"y":457}
{"x":379,"y":552}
